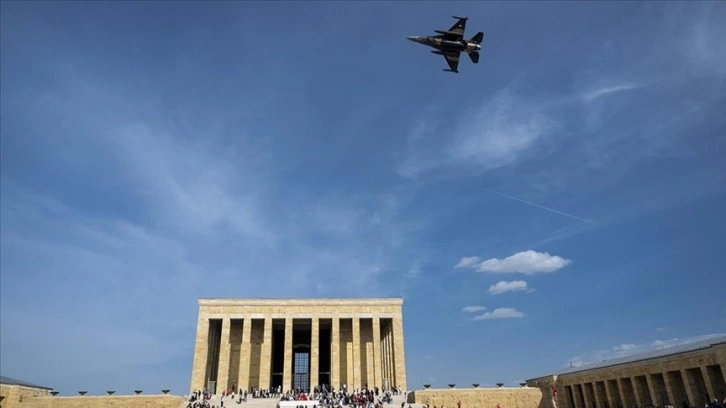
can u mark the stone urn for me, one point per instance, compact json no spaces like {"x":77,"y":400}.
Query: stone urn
{"x":138,"y":392}
{"x":110,"y":392}
{"x":499,"y":385}
{"x":452,"y":385}
{"x":165,"y":391}
{"x":427,"y":386}
{"x":82,"y":392}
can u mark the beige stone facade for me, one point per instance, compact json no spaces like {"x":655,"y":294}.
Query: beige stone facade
{"x":525,"y":397}
{"x":691,"y":374}
{"x":299,"y":343}
{"x":13,"y":392}
{"x":113,"y":401}
{"x":13,"y":396}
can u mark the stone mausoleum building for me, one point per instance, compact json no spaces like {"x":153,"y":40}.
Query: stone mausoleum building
{"x":691,"y":373}
{"x":299,"y":344}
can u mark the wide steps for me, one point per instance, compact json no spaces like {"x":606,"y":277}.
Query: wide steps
{"x":272,"y":402}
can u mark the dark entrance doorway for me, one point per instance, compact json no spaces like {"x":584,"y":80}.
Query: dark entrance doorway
{"x":301,"y":378}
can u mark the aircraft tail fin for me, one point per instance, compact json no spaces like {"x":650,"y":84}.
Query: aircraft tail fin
{"x":477,"y":38}
{"x":474,"y":57}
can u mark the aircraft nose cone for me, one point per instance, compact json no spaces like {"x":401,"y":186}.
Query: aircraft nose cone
{"x":412,"y":37}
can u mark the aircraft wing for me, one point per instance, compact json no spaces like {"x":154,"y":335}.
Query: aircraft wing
{"x":453,"y":61}
{"x":456,"y":32}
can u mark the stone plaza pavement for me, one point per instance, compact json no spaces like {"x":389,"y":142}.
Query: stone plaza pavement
{"x":272,"y":403}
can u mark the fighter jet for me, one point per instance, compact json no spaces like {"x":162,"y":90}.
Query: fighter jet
{"x":451,"y":44}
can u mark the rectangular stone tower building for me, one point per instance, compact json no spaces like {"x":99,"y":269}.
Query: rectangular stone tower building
{"x":299,"y":344}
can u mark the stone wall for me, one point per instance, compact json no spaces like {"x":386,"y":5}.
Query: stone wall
{"x":113,"y":401}
{"x":693,"y":377}
{"x":524,"y":397}
{"x":12,"y":395}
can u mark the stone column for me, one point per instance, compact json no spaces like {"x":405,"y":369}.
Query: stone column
{"x":384,"y":359}
{"x":335,"y":354}
{"x":669,"y":389}
{"x":598,"y":398}
{"x":201,"y":348}
{"x":314,"y":352}
{"x":654,"y":397}
{"x":223,"y":368}
{"x":369,"y":378}
{"x":612,"y":401}
{"x":636,"y":392}
{"x":244,"y":355}
{"x":690,"y":392}
{"x":709,"y":384}
{"x":388,"y":356}
{"x":563,"y":397}
{"x":399,"y":359}
{"x":266,"y":358}
{"x":578,"y":395}
{"x":356,"y":383}
{"x":585,"y":395}
{"x":287,"y":364}
{"x":623,"y":395}
{"x":377,"y":375}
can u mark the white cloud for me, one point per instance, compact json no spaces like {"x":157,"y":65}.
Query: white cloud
{"x":414,"y":272}
{"x":607,"y":90}
{"x":473,"y":309}
{"x":511,"y":286}
{"x":495,"y":135}
{"x":467,"y":262}
{"x":500,"y":313}
{"x":527,"y":262}
{"x":628,"y":349}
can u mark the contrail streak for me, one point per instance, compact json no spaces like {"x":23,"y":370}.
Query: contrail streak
{"x":530,"y":203}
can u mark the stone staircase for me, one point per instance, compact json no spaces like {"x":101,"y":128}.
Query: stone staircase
{"x":272,"y":402}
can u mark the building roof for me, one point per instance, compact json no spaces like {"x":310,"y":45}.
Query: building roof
{"x":12,"y":381}
{"x":700,"y":344}
{"x":297,"y":301}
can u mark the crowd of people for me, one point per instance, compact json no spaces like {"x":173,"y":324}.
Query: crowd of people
{"x":325,"y":396}
{"x":359,"y":398}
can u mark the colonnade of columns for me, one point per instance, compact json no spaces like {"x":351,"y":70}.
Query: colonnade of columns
{"x":245,"y":352}
{"x":693,"y":385}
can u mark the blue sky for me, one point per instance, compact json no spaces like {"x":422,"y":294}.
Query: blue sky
{"x":156,"y":153}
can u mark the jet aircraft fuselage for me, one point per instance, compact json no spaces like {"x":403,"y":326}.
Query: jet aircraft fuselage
{"x":444,"y":45}
{"x":451,"y":43}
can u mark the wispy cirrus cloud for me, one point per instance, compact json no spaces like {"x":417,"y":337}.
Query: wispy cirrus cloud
{"x":490,"y":137}
{"x":607,"y":90}
{"x":629,"y":349}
